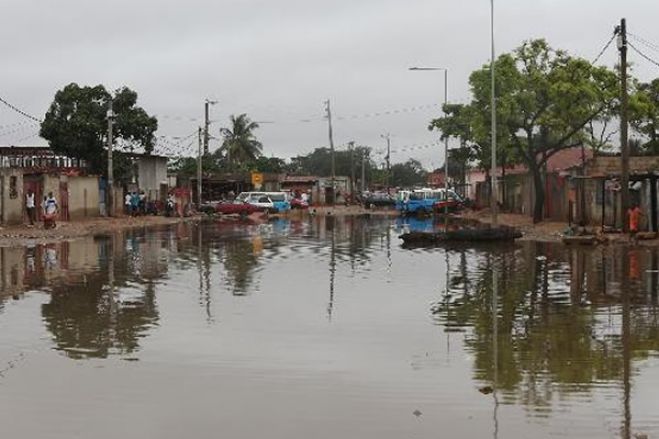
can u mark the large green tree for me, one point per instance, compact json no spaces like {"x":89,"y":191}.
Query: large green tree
{"x":546,"y":101}
{"x":240,"y":147}
{"x":644,"y":106}
{"x":76,"y":123}
{"x":408,"y":174}
{"x":319,"y":162}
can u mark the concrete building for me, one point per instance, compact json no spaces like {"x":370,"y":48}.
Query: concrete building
{"x":40,"y":170}
{"x":150,"y":175}
{"x":320,"y":188}
{"x":11,"y":196}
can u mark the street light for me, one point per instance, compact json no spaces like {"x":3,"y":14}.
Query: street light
{"x":493,"y":195}
{"x":445,"y":70}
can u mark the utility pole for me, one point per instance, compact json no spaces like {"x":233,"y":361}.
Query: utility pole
{"x":363,"y":181}
{"x":207,"y":104}
{"x":446,"y":156}
{"x":199,"y":173}
{"x":387,"y":137}
{"x":351,"y":145}
{"x":110,"y":188}
{"x":494,"y":205}
{"x":331,"y":141}
{"x":624,"y":141}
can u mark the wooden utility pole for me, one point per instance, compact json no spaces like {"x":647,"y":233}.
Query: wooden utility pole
{"x":363,"y":180}
{"x":206,"y":123}
{"x":199,"y":172}
{"x":351,"y":145}
{"x":387,"y":137}
{"x":110,"y":187}
{"x":624,"y":141}
{"x":331,"y":141}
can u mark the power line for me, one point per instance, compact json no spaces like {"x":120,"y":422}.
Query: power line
{"x":656,"y":63}
{"x":645,"y":42}
{"x":19,"y":111}
{"x":606,"y":46}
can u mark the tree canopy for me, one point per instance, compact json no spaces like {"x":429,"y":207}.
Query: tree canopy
{"x":546,"y":102}
{"x":408,"y":174}
{"x":76,"y":123}
{"x":240,"y":147}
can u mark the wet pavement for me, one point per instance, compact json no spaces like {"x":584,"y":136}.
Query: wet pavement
{"x":325,"y":328}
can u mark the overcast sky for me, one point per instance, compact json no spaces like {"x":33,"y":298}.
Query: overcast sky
{"x":278,"y":60}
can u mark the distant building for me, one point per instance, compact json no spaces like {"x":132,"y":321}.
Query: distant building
{"x":320,"y":188}
{"x":150,"y":175}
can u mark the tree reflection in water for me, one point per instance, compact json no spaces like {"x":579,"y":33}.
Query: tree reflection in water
{"x":565,"y":320}
{"x":108,"y":310}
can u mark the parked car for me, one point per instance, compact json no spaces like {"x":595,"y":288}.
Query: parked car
{"x":229,"y":208}
{"x":378,"y":199}
{"x":454,"y":202}
{"x":270,"y":201}
{"x":299,"y":203}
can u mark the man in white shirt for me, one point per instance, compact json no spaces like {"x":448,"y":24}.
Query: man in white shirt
{"x":30,"y":206}
{"x":127,"y":203}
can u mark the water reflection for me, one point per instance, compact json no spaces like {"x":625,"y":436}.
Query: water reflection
{"x":560,"y":322}
{"x":542,"y":327}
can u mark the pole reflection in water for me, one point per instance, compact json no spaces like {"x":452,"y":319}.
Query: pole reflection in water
{"x":330,"y":224}
{"x":495,"y":346}
{"x":626,"y":354}
{"x":558,"y":335}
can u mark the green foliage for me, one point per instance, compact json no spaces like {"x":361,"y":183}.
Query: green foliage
{"x":274,"y":165}
{"x":240,"y":147}
{"x":76,"y":123}
{"x":408,"y":174}
{"x":187,"y":166}
{"x":644,"y":115}
{"x":546,"y":101}
{"x":319,"y":162}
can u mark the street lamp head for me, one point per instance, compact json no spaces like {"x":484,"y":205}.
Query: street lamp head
{"x":427,"y":68}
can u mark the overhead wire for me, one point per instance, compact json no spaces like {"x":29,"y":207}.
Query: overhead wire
{"x":636,"y":49}
{"x":19,"y":111}
{"x":604,"y":49}
{"x":645,"y":42}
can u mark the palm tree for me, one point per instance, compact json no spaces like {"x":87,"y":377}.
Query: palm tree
{"x":240,"y":145}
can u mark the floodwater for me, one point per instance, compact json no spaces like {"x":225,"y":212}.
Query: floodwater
{"x":325,"y":328}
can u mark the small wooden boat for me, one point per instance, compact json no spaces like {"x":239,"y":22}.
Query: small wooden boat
{"x":481,"y":234}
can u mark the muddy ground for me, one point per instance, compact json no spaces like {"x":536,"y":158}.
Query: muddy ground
{"x":20,"y":235}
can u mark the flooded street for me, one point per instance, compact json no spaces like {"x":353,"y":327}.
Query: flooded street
{"x":325,"y":328}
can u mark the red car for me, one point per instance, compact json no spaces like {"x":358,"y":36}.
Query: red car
{"x":299,"y":203}
{"x":452,"y":205}
{"x":237,"y":208}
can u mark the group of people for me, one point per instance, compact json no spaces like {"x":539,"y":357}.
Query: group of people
{"x":135,"y":203}
{"x":49,"y":208}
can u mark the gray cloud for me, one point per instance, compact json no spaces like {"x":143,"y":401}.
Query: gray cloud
{"x":279,"y":60}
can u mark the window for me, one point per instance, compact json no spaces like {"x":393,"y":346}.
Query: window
{"x":278,"y":197}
